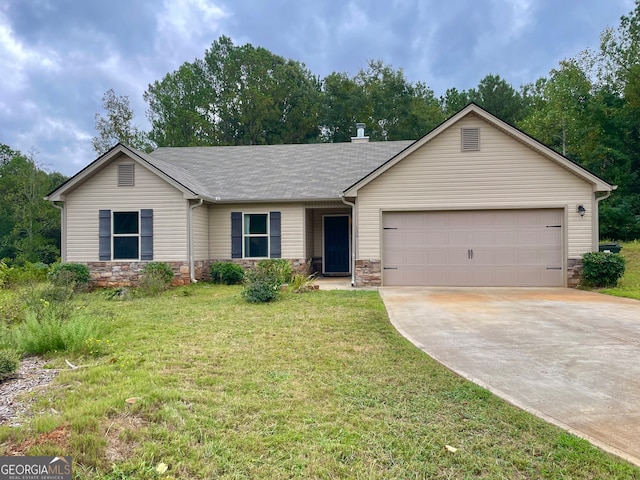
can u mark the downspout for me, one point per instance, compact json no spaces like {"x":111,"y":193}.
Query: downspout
{"x":596,"y":219}
{"x":353,"y":238}
{"x":63,"y":232}
{"x":192,"y":276}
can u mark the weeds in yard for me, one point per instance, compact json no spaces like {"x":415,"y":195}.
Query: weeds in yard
{"x":317,"y":386}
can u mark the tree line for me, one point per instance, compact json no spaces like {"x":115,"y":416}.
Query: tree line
{"x":587,"y":108}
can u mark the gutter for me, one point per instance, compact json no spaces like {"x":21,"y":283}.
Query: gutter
{"x":353,"y":238}
{"x":596,"y":220}
{"x":63,"y":232}
{"x":191,"y":249}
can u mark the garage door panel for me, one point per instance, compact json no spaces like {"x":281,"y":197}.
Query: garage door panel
{"x":484,"y":248}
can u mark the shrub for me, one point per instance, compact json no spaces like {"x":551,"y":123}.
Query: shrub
{"x":75,"y":274}
{"x":302,"y":283}
{"x":4,"y":274}
{"x":9,"y":362}
{"x":261,"y":285}
{"x":155,"y":277}
{"x":601,"y":269}
{"x":12,"y":276}
{"x":48,"y":332}
{"x":227,"y":273}
{"x":278,"y":268}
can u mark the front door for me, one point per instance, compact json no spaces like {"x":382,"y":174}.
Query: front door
{"x":336,"y":244}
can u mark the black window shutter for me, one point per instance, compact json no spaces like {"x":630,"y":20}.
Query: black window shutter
{"x":275,"y":250}
{"x":146,"y":234}
{"x":104,"y":226}
{"x":236,"y":234}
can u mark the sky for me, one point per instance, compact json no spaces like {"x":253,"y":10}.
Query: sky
{"x":58,"y":57}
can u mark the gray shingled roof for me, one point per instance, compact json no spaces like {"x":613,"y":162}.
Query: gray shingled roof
{"x":273,"y":172}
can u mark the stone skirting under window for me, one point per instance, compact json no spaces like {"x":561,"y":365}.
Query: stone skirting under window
{"x":127,"y":274}
{"x":298,"y":265}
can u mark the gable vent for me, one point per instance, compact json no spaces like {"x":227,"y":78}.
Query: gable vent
{"x":470,"y":139}
{"x":126,"y":175}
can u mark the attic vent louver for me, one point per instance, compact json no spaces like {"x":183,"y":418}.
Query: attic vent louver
{"x":470,"y":139}
{"x":126,"y":175}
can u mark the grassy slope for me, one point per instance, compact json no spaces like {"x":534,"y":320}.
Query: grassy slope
{"x":629,"y":285}
{"x":315,"y":385}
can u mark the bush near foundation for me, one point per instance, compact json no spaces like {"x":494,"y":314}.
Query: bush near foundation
{"x":602,"y":270}
{"x":227,"y":273}
{"x":155,"y":277}
{"x":63,"y":274}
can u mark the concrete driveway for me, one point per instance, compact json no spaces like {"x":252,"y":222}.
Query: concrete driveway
{"x":568,"y":356}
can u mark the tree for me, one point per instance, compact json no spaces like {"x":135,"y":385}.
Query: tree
{"x":29,"y":225}
{"x":497,"y":96}
{"x":117,"y":126}
{"x":391,"y":107}
{"x":235,"y":95}
{"x":559,"y":111}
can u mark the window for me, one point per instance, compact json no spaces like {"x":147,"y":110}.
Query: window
{"x":256,"y":235}
{"x":126,"y":175}
{"x":126,"y":236}
{"x":129,"y":235}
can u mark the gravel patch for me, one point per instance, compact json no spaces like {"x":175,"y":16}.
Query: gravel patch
{"x":30,"y":376}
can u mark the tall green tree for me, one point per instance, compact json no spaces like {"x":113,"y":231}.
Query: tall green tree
{"x":29,"y":225}
{"x":235,"y":95}
{"x":117,"y":126}
{"x":497,"y":96}
{"x":559,"y":109}
{"x":391,"y":107}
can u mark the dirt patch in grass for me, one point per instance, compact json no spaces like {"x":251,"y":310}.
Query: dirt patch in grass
{"x":57,"y":438}
{"x":122,"y":436}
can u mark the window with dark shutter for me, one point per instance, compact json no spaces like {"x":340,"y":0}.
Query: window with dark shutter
{"x":146,"y":234}
{"x":275,"y":250}
{"x":104,"y":225}
{"x":470,"y":139}
{"x":236,"y":234}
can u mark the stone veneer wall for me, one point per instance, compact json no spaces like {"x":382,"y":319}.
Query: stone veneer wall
{"x":574,"y":269}
{"x":368,"y":273}
{"x":127,"y":274}
{"x":298,"y":265}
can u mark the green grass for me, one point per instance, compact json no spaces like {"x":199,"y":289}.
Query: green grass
{"x":317,"y":385}
{"x":629,"y":285}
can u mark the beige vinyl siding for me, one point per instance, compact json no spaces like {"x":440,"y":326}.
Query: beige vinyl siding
{"x":200,"y":218}
{"x":292,"y":227}
{"x":101,"y":192}
{"x":504,"y":173}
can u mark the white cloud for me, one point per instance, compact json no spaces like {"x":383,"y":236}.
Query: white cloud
{"x":185,"y":25}
{"x":18,"y":59}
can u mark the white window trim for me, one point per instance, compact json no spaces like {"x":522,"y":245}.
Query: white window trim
{"x":121,"y":235}
{"x":252,"y":235}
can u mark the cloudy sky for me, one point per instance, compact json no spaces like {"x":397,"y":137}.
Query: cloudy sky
{"x":58,"y":57}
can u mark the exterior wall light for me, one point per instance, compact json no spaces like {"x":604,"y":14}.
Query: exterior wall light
{"x":581,"y":210}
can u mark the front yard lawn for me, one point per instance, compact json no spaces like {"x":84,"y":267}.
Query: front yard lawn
{"x":629,"y":285}
{"x":316,"y":385}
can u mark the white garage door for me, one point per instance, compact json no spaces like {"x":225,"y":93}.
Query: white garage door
{"x":473,"y":248}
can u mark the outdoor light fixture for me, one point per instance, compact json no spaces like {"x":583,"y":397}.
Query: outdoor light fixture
{"x":581,"y":210}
